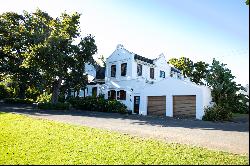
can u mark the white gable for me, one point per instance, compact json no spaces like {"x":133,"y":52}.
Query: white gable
{"x":120,"y":54}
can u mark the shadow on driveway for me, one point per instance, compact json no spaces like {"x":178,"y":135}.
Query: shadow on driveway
{"x":135,"y":119}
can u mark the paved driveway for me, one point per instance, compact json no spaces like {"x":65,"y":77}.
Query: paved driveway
{"x":230,"y":136}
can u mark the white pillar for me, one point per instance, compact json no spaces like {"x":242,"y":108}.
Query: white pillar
{"x":169,"y":105}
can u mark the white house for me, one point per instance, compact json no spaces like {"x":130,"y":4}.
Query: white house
{"x":151,"y":86}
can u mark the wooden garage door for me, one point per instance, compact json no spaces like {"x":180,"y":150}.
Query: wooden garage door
{"x":157,"y":105}
{"x":184,"y":106}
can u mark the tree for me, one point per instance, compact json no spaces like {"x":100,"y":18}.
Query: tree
{"x":199,"y":73}
{"x":15,"y":40}
{"x":58,"y":58}
{"x":195,"y":71}
{"x":184,"y":64}
{"x":224,"y":90}
{"x":36,"y":48}
{"x":102,"y":59}
{"x":247,"y":2}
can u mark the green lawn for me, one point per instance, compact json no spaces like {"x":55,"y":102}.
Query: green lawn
{"x":25,"y":140}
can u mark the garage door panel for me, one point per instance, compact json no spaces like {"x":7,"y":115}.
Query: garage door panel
{"x":186,"y":101}
{"x":158,"y":113}
{"x":187,"y":107}
{"x":157,"y":105}
{"x":184,"y":106}
{"x":184,"y":97}
{"x":153,"y":98}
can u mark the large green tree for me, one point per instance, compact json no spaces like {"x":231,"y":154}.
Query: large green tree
{"x":59,"y":58}
{"x":17,"y":35}
{"x":199,"y":73}
{"x":225,"y":91}
{"x":35,"y":46}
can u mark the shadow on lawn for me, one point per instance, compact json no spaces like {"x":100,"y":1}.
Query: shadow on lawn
{"x":134,"y":119}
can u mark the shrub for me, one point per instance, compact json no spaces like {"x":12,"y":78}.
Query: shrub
{"x":97,"y":104}
{"x":32,"y":93}
{"x":4,"y":92}
{"x":50,"y":106}
{"x":18,"y":101}
{"x":116,"y":106}
{"x":217,"y":113}
{"x":44,"y":98}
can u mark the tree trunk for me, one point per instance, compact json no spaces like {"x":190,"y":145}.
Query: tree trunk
{"x":21,"y":94}
{"x":55,"y":90}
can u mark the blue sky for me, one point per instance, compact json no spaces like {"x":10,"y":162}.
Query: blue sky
{"x":198,"y":29}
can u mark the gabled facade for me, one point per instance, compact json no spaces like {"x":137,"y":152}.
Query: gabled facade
{"x":150,"y":86}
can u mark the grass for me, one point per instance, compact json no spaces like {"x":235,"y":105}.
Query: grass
{"x":24,"y":140}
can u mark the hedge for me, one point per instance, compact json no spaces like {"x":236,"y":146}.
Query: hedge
{"x":98,"y":104}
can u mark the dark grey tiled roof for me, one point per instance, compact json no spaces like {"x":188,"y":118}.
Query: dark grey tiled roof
{"x":143,"y":59}
{"x":175,"y":70}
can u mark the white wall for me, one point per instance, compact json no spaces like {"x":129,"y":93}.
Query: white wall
{"x":161,"y":65}
{"x":161,"y":87}
{"x":170,"y":87}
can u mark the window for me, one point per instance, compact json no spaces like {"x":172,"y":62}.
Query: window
{"x":94,"y":91}
{"x":139,"y":69}
{"x":112,"y":94}
{"x":122,"y":95}
{"x":113,"y":70}
{"x":162,"y":74}
{"x":123,"y":69}
{"x":152,"y":73}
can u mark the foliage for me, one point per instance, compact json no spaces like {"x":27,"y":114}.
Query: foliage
{"x":35,"y":46}
{"x":5,"y":92}
{"x":44,"y":98}
{"x":98,"y":104}
{"x":224,"y":90}
{"x":199,"y":73}
{"x":217,"y":113}
{"x":247,"y":2}
{"x":50,"y":106}
{"x":102,"y":59}
{"x":28,"y":141}
{"x":17,"y":37}
{"x":184,"y":64}
{"x":18,"y":101}
{"x":240,"y":103}
{"x":195,"y":71}
{"x":32,"y":93}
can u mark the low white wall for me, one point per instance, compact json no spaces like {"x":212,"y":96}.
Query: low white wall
{"x":170,"y":87}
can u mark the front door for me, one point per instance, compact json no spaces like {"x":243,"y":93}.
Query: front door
{"x":136,"y":104}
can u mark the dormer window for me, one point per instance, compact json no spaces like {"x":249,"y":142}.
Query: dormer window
{"x":152,"y":72}
{"x":139,"y":69}
{"x":123,"y":69}
{"x":113,"y":70}
{"x":162,"y":74}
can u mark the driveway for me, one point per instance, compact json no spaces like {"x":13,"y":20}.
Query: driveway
{"x":229,"y":136}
